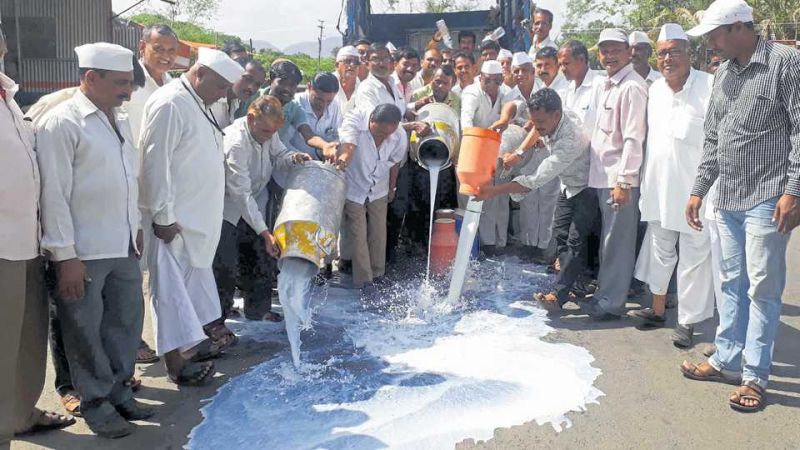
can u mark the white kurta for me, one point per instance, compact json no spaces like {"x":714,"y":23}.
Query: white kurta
{"x":19,"y":181}
{"x":547,"y":42}
{"x":89,"y":201}
{"x":139,"y":98}
{"x":223,"y":111}
{"x":326,"y":126}
{"x":183,"y":182}
{"x":560,"y":84}
{"x":248,"y":169}
{"x":521,"y":101}
{"x":675,"y":146}
{"x":653,"y":76}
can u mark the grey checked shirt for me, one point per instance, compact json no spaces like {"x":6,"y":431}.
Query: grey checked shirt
{"x":752,"y":130}
{"x":568,"y":159}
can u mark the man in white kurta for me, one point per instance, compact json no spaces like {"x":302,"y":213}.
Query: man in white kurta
{"x":641,"y":51}
{"x":183,"y":187}
{"x":481,"y":104}
{"x":580,"y":94}
{"x":347,"y":63}
{"x":676,"y":111}
{"x":91,"y":230}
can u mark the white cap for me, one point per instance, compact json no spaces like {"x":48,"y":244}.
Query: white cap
{"x":504,"y":54}
{"x":521,"y":58}
{"x":722,"y":12}
{"x":391,"y":47}
{"x":638,"y":37}
{"x":612,"y":35}
{"x":672,"y":31}
{"x":347,"y":51}
{"x":221,"y":63}
{"x":491,"y":68}
{"x":104,"y":56}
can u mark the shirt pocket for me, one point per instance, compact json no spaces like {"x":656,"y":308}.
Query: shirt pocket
{"x":758,"y":112}
{"x":689,"y":128}
{"x":605,"y":120}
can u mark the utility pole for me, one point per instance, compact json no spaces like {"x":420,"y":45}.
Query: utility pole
{"x":321,"y":27}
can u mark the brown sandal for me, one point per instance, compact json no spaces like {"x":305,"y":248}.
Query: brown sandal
{"x":145,"y":354}
{"x":47,"y":421}
{"x":747,"y":391}
{"x":705,"y":372}
{"x":548,"y":301}
{"x":72,"y":404}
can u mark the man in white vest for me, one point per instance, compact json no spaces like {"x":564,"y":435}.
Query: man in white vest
{"x":183,"y":187}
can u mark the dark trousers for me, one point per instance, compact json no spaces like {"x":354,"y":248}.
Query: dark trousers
{"x":572,"y":224}
{"x":63,"y":381}
{"x":242,"y":261}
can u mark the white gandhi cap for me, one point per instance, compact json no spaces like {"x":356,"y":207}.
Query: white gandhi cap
{"x":492,"y":68}
{"x":220,"y":63}
{"x":504,"y":54}
{"x":612,"y":35}
{"x":521,"y":58}
{"x":104,"y":56}
{"x":672,"y":31}
{"x":347,"y":51}
{"x":722,"y":12}
{"x":638,"y":37}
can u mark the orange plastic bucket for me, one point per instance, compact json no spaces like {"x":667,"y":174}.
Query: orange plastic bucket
{"x":477,"y":159}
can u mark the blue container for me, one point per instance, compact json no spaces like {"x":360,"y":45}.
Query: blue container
{"x":475,"y":245}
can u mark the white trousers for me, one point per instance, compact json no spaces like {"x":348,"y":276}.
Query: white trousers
{"x":658,"y":259}
{"x":536,"y":215}
{"x":493,"y":226}
{"x":716,"y":257}
{"x":183,"y":298}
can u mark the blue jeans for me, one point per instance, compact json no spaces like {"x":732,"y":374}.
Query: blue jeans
{"x":753,"y":272}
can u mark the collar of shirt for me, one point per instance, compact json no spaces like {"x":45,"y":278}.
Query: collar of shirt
{"x":152,"y":81}
{"x":190,"y":88}
{"x":555,"y":136}
{"x":619,"y":76}
{"x":588,"y":81}
{"x":244,"y":124}
{"x":9,"y":85}
{"x":759,"y":57}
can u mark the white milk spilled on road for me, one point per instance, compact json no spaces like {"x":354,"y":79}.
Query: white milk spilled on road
{"x":434,"y":166}
{"x":294,"y":290}
{"x":466,"y":239}
{"x":376,"y":378}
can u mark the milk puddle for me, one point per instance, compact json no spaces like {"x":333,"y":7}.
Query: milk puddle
{"x":410,"y":373}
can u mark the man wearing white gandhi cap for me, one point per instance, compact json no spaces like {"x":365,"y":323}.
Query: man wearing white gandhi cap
{"x":675,"y":113}
{"x":91,"y":224}
{"x":481,"y":104}
{"x":347,"y":61}
{"x":183,"y":187}
{"x":641,"y":50}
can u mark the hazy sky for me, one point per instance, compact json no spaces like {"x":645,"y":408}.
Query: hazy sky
{"x":285,"y":22}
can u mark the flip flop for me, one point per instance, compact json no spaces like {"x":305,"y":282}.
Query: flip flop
{"x":194,"y":374}
{"x":692,"y":372}
{"x":756,"y":393}
{"x":146,"y":355}
{"x":72,"y":404}
{"x":206,"y":350}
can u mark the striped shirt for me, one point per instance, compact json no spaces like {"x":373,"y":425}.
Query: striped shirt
{"x":752,"y":130}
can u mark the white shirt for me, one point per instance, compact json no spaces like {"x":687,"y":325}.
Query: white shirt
{"x":183,"y":173}
{"x":559,"y":84}
{"x":653,"y":76}
{"x":223,"y":111}
{"x":248,"y":168}
{"x":406,"y":90}
{"x":674,"y":147}
{"x":582,"y":100}
{"x":515,"y":95}
{"x":372,"y":92}
{"x":368,"y":173}
{"x":89,"y":182}
{"x":345,"y":104}
{"x":417,"y":83}
{"x":19,"y":181}
{"x":326,"y":127}
{"x":547,"y":42}
{"x":477,"y":109}
{"x":46,"y":103}
{"x":135,"y":107}
{"x":458,"y":90}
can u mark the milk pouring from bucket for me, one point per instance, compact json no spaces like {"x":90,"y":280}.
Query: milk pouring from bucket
{"x":444,"y":141}
{"x":308,"y":224}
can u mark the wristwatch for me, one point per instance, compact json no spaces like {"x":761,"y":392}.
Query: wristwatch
{"x":624,"y":185}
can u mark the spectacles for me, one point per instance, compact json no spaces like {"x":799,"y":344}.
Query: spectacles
{"x":351,"y":61}
{"x":488,"y":80}
{"x":672,"y":53}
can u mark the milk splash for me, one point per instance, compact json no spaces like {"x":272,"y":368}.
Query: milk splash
{"x":409,"y":373}
{"x":294,"y":289}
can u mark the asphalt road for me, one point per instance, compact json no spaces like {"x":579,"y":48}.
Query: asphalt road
{"x":647,"y":403}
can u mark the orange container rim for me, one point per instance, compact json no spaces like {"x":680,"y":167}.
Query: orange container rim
{"x":482,"y":132}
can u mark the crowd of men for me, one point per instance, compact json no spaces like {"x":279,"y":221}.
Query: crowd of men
{"x":135,"y":172}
